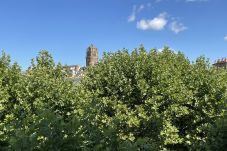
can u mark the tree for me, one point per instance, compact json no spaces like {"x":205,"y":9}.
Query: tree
{"x":129,"y":101}
{"x":42,"y":116}
{"x":10,"y":78}
{"x":159,"y":99}
{"x":217,"y":136}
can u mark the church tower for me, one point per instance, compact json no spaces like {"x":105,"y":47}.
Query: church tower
{"x":92,"y":55}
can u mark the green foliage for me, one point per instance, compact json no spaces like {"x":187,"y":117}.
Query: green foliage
{"x":46,"y":131}
{"x":217,"y":138}
{"x":10,"y":79}
{"x":158,"y":97}
{"x":37,"y":108}
{"x":138,"y":101}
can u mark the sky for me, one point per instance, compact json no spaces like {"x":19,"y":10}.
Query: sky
{"x":67,"y":27}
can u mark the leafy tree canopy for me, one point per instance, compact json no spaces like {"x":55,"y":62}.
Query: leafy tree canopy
{"x":37,"y":108}
{"x":143,"y":100}
{"x":158,"y":98}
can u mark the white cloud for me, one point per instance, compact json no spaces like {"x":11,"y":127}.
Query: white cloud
{"x":132,"y":17}
{"x":225,"y":38}
{"x":160,"y":49}
{"x":177,"y":27}
{"x":157,"y":23}
{"x":136,"y":10}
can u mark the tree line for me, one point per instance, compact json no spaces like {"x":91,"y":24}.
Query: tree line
{"x":130,"y":101}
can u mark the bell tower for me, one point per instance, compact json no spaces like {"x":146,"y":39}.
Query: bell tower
{"x":91,"y":56}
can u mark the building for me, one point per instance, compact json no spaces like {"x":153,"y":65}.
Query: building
{"x":221,"y":63}
{"x":91,"y":59}
{"x":75,"y":70}
{"x":92,"y":55}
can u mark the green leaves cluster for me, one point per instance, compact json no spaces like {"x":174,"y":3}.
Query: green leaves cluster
{"x":157,"y":97}
{"x":10,"y":79}
{"x":37,"y":108}
{"x":139,"y":101}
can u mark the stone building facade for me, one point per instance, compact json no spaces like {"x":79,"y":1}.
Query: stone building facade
{"x":92,"y":55}
{"x":91,"y":59}
{"x":75,"y":70}
{"x":221,"y":63}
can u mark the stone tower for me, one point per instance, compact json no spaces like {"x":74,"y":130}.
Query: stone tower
{"x":92,"y":55}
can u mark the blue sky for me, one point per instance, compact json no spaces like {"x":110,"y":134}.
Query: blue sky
{"x":67,"y":27}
